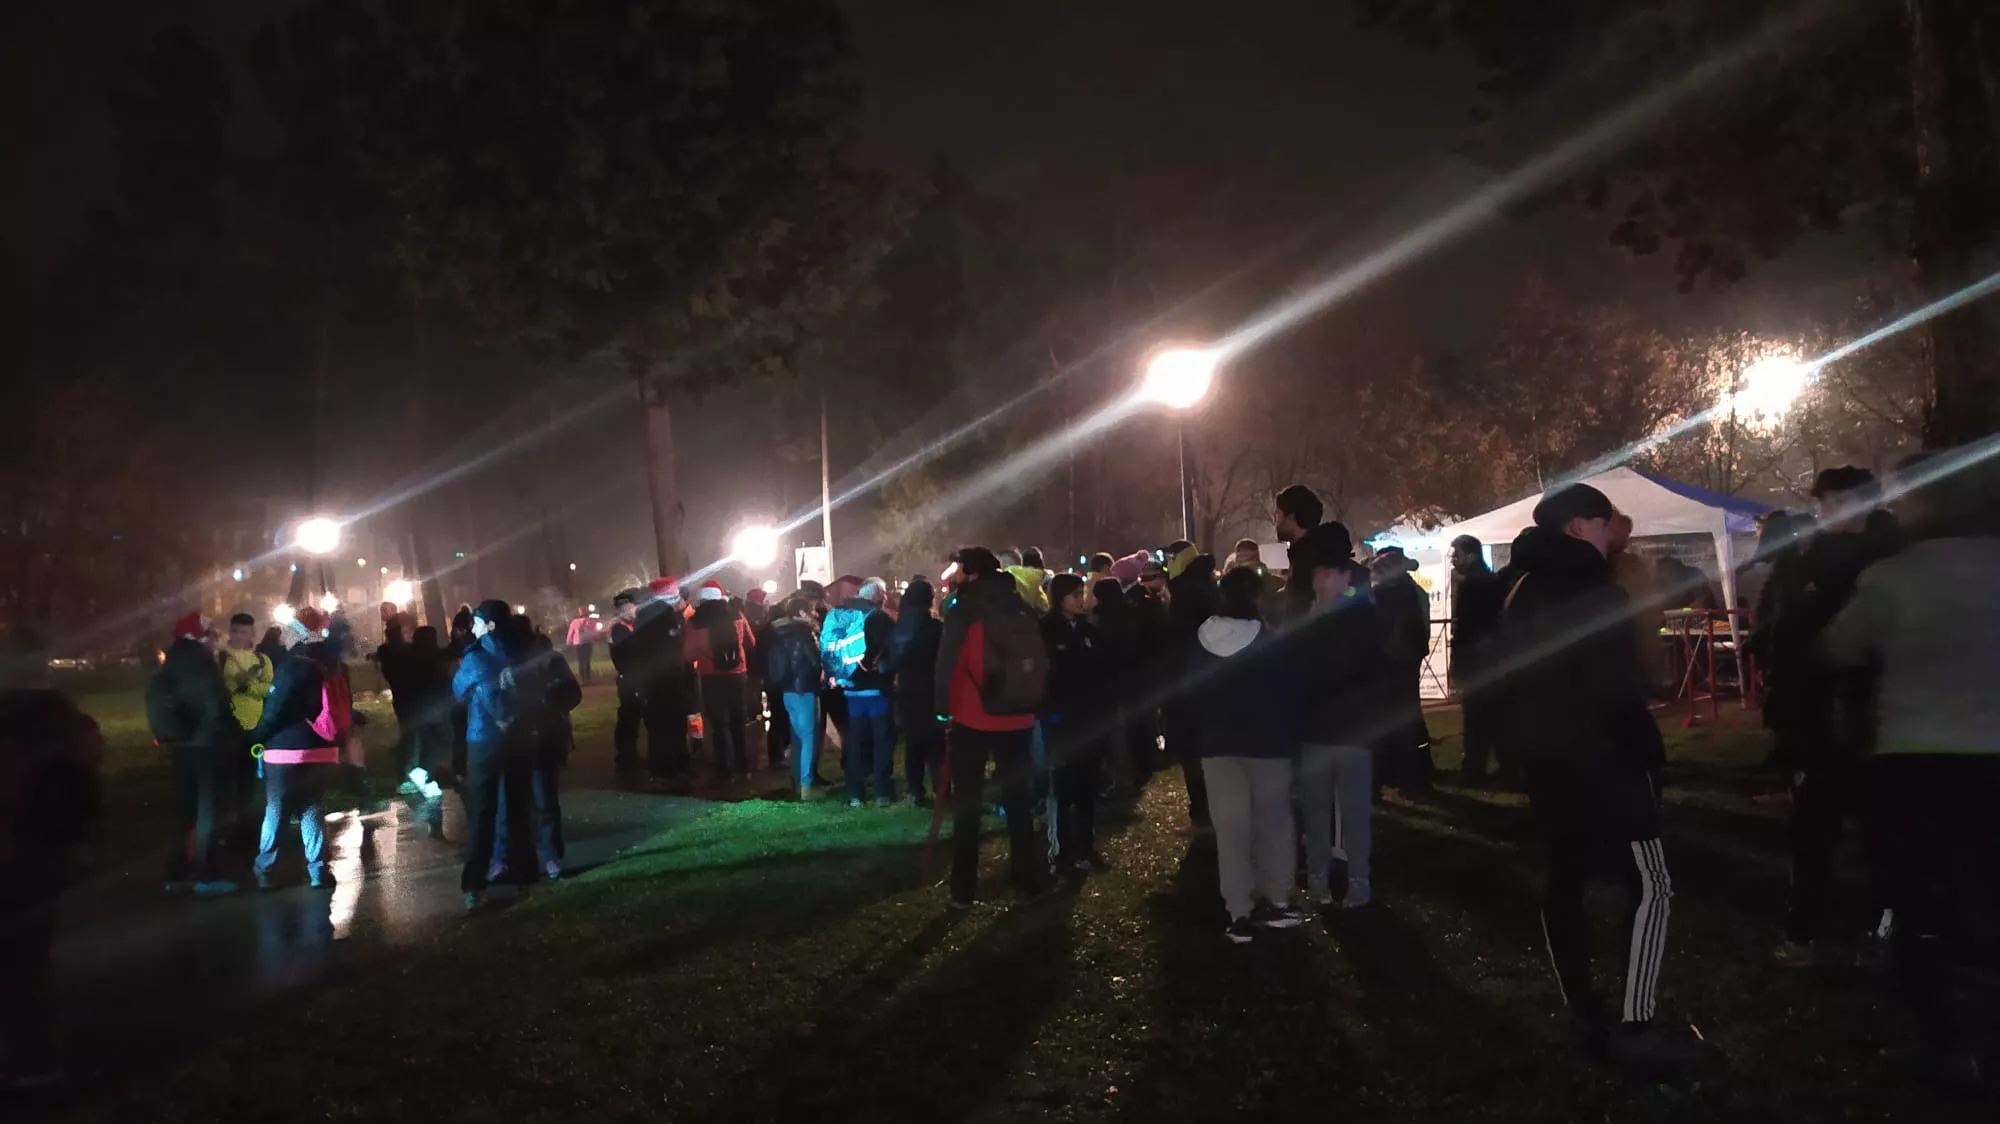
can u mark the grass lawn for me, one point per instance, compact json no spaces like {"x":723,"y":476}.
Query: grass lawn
{"x":777,"y":961}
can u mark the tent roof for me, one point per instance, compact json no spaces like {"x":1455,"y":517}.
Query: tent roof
{"x":1657,"y":507}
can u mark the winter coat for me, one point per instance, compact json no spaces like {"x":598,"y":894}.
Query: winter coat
{"x":1076,"y":668}
{"x":298,"y":695}
{"x":546,"y":691}
{"x":1475,"y":615}
{"x":1344,"y":686}
{"x":1118,"y":649}
{"x":247,"y":674}
{"x":1929,"y":618}
{"x":913,"y":645}
{"x":792,"y":664}
{"x":1569,"y":684}
{"x":649,"y":654}
{"x":961,"y":662}
{"x":490,"y":707}
{"x":1821,"y":709}
{"x":1406,"y":619}
{"x":1242,"y":691}
{"x":853,"y":643}
{"x":425,"y":693}
{"x":1033,"y":584}
{"x":200,"y":695}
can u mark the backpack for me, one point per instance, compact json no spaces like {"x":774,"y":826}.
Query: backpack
{"x":725,"y":647}
{"x":1017,"y":663}
{"x":846,"y":645}
{"x":166,"y":719}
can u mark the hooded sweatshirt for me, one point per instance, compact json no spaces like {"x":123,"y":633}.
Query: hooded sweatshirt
{"x":913,"y":645}
{"x":1241,"y":688}
{"x":1034,"y":586}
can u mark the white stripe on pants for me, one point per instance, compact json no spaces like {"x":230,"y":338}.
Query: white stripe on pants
{"x":1649,"y":930}
{"x":1336,"y":789}
{"x":1250,"y":805}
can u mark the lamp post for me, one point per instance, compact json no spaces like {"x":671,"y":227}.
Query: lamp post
{"x":1179,"y":379}
{"x":756,"y":546}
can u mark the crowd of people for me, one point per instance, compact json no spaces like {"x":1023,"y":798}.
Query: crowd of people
{"x":1291,"y":704}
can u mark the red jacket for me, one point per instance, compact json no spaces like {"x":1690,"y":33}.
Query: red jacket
{"x":968,"y":674}
{"x":694,"y":645}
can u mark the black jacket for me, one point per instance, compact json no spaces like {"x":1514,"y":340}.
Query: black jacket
{"x":1345,"y":684}
{"x":1827,"y":712}
{"x":1406,"y":620}
{"x":1475,"y":613}
{"x":200,"y":694}
{"x":1076,"y":667}
{"x":298,"y":694}
{"x":791,"y":661}
{"x":648,"y":653}
{"x":547,"y":691}
{"x":1568,"y":680}
{"x":913,"y":645}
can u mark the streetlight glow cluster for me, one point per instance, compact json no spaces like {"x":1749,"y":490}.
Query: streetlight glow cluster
{"x":1179,"y":377}
{"x":755,"y":546}
{"x":1768,"y":388}
{"x":318,"y":535}
{"x":399,"y":591}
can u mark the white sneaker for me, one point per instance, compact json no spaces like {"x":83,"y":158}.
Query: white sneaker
{"x":1319,"y":895}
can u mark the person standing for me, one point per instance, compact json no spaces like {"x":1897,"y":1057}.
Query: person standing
{"x":1827,"y":717}
{"x":1131,"y":746}
{"x":545,"y":692}
{"x":854,"y":642}
{"x":1241,"y":696}
{"x":50,"y":754}
{"x":188,"y":708}
{"x":653,"y":681}
{"x":299,"y":762}
{"x":1076,"y":722}
{"x":1575,"y":712}
{"x":1191,"y":601}
{"x":1406,"y":617}
{"x":485,"y":686}
{"x":1475,"y":613}
{"x":247,"y":672}
{"x":913,"y":650}
{"x":766,"y":702}
{"x":427,"y":674}
{"x":1928,"y":618}
{"x":1337,"y":664}
{"x":792,"y":666}
{"x":718,"y":645}
{"x":1031,"y":574}
{"x":624,"y":662}
{"x":582,"y":640}
{"x":992,"y":670}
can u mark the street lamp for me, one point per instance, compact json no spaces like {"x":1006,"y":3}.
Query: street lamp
{"x":755,"y":546}
{"x":400,"y":591}
{"x":1179,"y":378}
{"x":317,"y":536}
{"x":1767,"y":389}
{"x":328,"y":602}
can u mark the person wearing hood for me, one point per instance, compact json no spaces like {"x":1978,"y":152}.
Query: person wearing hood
{"x":1031,"y":574}
{"x":1131,"y":746}
{"x":1242,"y":698}
{"x":1337,"y":655}
{"x":718,"y":643}
{"x":545,"y":692}
{"x":485,"y":686}
{"x":792,"y":667}
{"x":992,"y":671}
{"x":1575,"y":717}
{"x":1406,"y":616}
{"x":1191,"y":602}
{"x":913,"y":651}
{"x":299,"y":761}
{"x":1077,"y":722}
{"x":650,"y":655}
{"x":854,"y":642}
{"x":188,"y":708}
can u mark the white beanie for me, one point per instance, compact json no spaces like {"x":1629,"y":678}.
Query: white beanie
{"x":710,"y":593}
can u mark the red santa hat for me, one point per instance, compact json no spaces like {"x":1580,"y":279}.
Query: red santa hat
{"x":756,"y":596}
{"x":666,"y":589}
{"x":711,"y":590}
{"x":190,"y":627}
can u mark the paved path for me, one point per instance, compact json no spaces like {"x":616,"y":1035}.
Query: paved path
{"x":139,"y":976}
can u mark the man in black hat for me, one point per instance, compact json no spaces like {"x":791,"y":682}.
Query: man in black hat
{"x":1574,"y":714}
{"x":1405,"y":762}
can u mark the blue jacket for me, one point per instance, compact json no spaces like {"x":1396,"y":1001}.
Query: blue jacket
{"x":1241,"y":687}
{"x":489,"y":706}
{"x":853,"y":644}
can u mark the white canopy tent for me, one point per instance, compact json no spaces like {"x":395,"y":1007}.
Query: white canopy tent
{"x":1658,"y":506}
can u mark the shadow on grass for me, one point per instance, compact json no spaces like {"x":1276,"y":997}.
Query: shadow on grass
{"x":937,"y":1046}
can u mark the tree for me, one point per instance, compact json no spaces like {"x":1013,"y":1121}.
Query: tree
{"x":1904,"y":142}
{"x":654,"y":187}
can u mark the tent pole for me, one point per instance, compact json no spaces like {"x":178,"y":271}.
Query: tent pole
{"x":1725,"y":553}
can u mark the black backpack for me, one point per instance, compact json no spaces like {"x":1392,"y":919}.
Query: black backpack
{"x":1017,"y":663}
{"x":166,"y":719}
{"x":725,"y":647}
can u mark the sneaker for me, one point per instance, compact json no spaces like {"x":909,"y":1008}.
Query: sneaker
{"x":215,"y":888}
{"x":1794,"y":954}
{"x":176,"y":887}
{"x":960,"y":904}
{"x":552,"y":870}
{"x":1240,"y":931}
{"x":1358,"y":894}
{"x":1269,"y":915}
{"x":854,"y":802}
{"x":1319,"y":894}
{"x":1091,"y":863}
{"x":265,"y":881}
{"x":323,"y":880}
{"x":1645,"y":1047}
{"x":496,"y":871}
{"x":884,"y":802}
{"x":473,"y":900}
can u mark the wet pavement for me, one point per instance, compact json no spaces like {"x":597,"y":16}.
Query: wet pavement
{"x":136,"y":970}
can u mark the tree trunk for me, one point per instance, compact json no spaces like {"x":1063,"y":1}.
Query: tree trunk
{"x":669,"y":514}
{"x":420,"y":571}
{"x":1955,"y":71}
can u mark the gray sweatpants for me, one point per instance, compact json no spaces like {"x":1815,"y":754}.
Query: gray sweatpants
{"x":1336,"y":785}
{"x":1250,"y":804}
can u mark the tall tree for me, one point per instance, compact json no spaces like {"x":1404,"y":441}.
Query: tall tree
{"x":656,"y":187}
{"x":1877,"y":115}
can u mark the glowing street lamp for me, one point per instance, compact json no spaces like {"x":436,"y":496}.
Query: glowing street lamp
{"x":317,"y":536}
{"x":400,"y":591}
{"x":1767,"y":389}
{"x":328,"y":602}
{"x":755,"y":546}
{"x":282,"y":614}
{"x":1179,"y":378}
